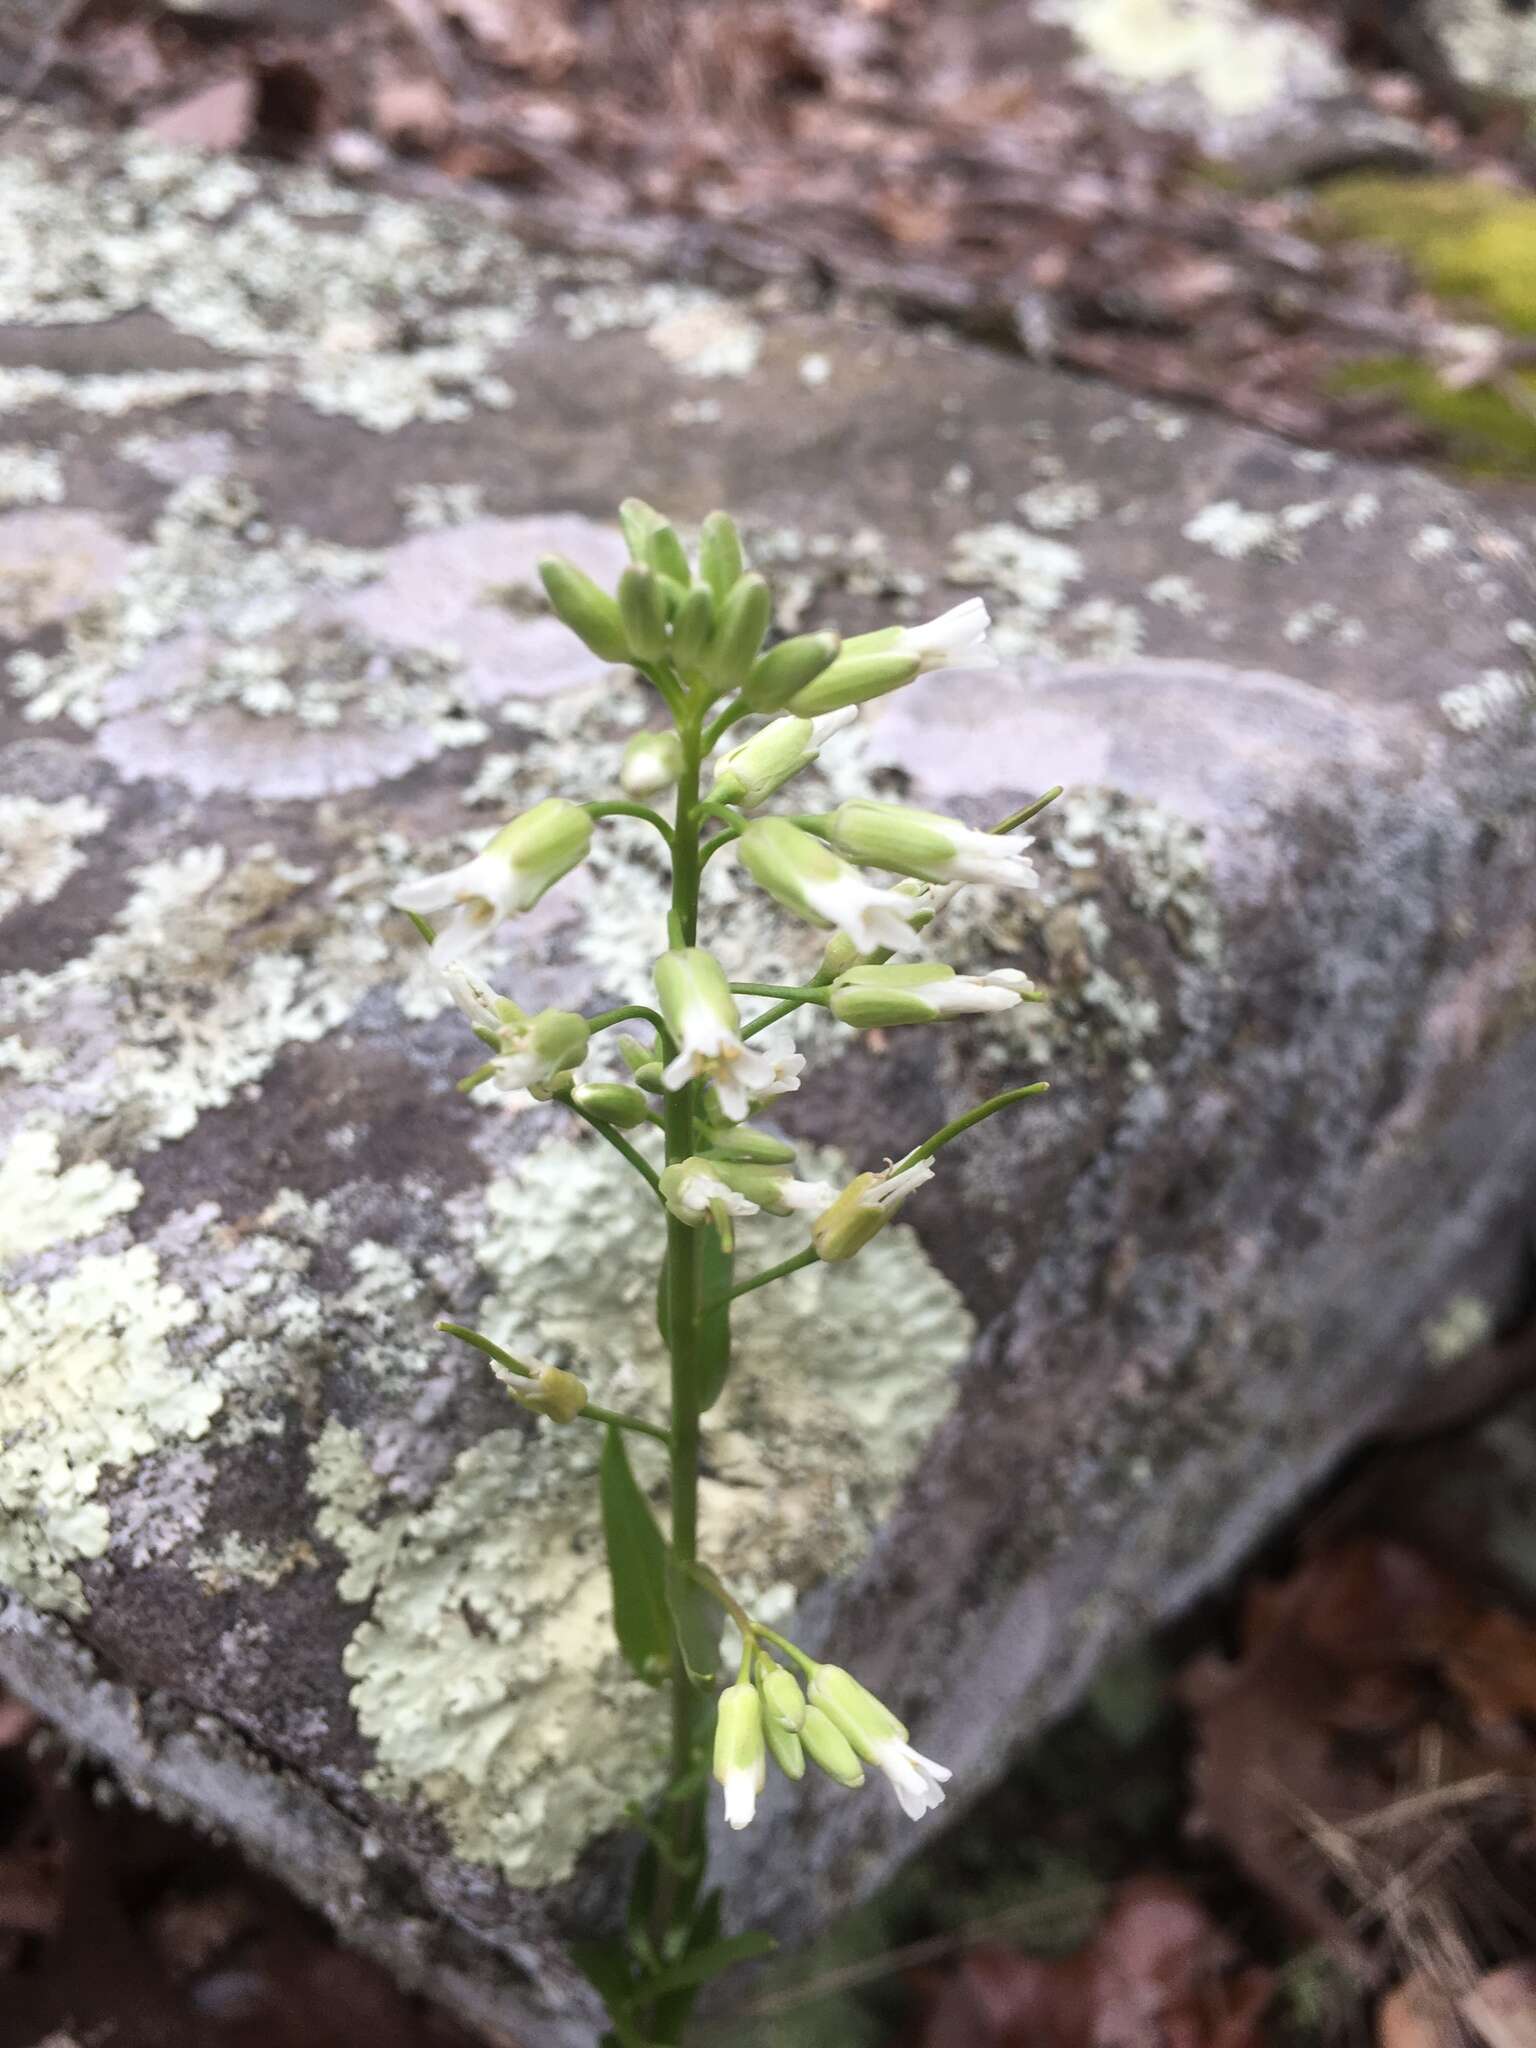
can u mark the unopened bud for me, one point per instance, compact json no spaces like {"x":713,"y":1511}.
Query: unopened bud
{"x":652,"y":763}
{"x":785,"y":1747}
{"x":928,"y":845}
{"x":921,"y":993}
{"x":828,"y":1748}
{"x":643,"y":613}
{"x":854,"y":679}
{"x":590,"y":612}
{"x":787,"y":669}
{"x":740,"y":1758}
{"x":612,"y":1102}
{"x":783,"y":1701}
{"x":692,"y":625}
{"x":751,"y":1147}
{"x":720,"y":558}
{"x":742,"y":622}
{"x":749,"y":774}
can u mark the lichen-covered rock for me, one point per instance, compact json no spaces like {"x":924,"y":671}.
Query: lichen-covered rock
{"x":1488,"y":45}
{"x":266,"y":579}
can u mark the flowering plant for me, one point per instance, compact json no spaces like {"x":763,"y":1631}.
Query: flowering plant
{"x":699,"y":1074}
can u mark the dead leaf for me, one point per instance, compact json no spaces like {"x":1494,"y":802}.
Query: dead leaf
{"x":218,"y":116}
{"x":1501,"y":2007}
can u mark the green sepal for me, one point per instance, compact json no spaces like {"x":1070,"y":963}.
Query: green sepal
{"x":637,"y":1565}
{"x":643,"y":612}
{"x":784,"y":671}
{"x":720,"y":557}
{"x":692,"y":625}
{"x":785,"y":1747}
{"x":739,"y":634}
{"x":590,"y":612}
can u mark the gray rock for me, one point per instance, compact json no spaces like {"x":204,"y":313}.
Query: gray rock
{"x":1488,"y":46}
{"x":272,"y":1545}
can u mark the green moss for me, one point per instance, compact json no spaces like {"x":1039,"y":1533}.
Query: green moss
{"x":1467,"y":240}
{"x":1480,"y":431}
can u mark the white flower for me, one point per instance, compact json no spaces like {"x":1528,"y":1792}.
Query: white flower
{"x":809,"y":1196}
{"x":788,"y":1065}
{"x":690,"y":1187}
{"x":476,"y":998}
{"x":971,"y":994}
{"x":917,"y":1781}
{"x":891,"y":1188}
{"x":871,"y":918}
{"x":710,"y":1051}
{"x":479,"y":894}
{"x":991,"y":857}
{"x":956,"y":639}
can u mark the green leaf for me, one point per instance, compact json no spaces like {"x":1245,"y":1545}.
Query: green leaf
{"x":698,"y":1619}
{"x":605,"y":1965}
{"x":700,"y":1964}
{"x":637,"y":1565}
{"x":716,"y":1267}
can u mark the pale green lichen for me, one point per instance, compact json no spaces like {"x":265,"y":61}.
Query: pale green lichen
{"x":40,"y":846}
{"x":416,"y":303}
{"x":1237,"y":62}
{"x":1459,"y":1329}
{"x":30,"y":476}
{"x":699,"y":333}
{"x":1235,"y":532}
{"x":90,"y":1380}
{"x":483,"y":1673}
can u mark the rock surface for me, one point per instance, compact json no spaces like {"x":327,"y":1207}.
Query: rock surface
{"x":278,"y":460}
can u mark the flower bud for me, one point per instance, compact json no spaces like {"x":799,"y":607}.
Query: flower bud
{"x":739,"y":629}
{"x":643,"y":613}
{"x":751,"y":1147}
{"x":537,"y":1052}
{"x":590,"y":612}
{"x":692,"y":625}
{"x":809,"y":878}
{"x":827,"y":1747}
{"x":863,"y":1209}
{"x":510,"y":873}
{"x":928,"y":845}
{"x":720,"y":558}
{"x":783,"y":1701}
{"x":612,"y":1102}
{"x":785,"y":1747}
{"x":920,"y":993}
{"x":874,"y":1733}
{"x":740,"y":1759}
{"x":854,"y":679}
{"x":749,"y":774}
{"x":787,"y":669}
{"x":652,"y":762}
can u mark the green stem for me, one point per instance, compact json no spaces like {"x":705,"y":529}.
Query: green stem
{"x":963,"y":1123}
{"x":623,"y":810}
{"x":620,"y":1144}
{"x":779,"y":1272}
{"x":713,"y":845}
{"x":1017,"y":818}
{"x":713,"y":734}
{"x":706,"y":807}
{"x":591,"y":1413}
{"x":628,"y":1013}
{"x":771,"y":1635}
{"x":774,"y":1016}
{"x":771,"y":988}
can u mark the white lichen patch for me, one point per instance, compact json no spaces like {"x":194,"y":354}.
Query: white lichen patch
{"x":484,"y":1673}
{"x":89,"y":1379}
{"x":699,"y":333}
{"x":30,"y":476}
{"x":1178,"y":593}
{"x":1490,"y":45}
{"x":1054,"y":507}
{"x":212,"y":967}
{"x":42,"y":1207}
{"x":1032,"y":573}
{"x":1498,"y":695}
{"x":415,"y":306}
{"x":40,"y":846}
{"x":1222,"y":60}
{"x":237,"y":1560}
{"x":1236,"y":532}
{"x":1461,"y":1327}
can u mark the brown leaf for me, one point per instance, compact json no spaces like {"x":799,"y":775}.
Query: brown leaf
{"x":1501,"y":2007}
{"x":218,"y":116}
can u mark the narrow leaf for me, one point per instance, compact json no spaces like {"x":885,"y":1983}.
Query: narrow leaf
{"x":637,"y":1565}
{"x":697,"y":1619}
{"x":700,"y":1964}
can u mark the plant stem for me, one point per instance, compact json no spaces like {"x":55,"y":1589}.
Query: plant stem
{"x":715,"y":733}
{"x":591,"y":1413}
{"x":773,"y":1016}
{"x":1017,"y":818}
{"x":620,"y":1144}
{"x":770,"y":988}
{"x":779,"y":1272}
{"x":627,"y":1012}
{"x":622,"y":810}
{"x":963,"y":1123}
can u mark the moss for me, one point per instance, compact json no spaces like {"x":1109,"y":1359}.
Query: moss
{"x":1480,"y":431}
{"x":1468,"y":240}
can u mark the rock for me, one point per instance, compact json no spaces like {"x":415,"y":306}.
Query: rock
{"x":276,"y":1548}
{"x":1488,"y":46}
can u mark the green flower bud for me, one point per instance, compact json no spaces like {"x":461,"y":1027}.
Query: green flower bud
{"x":638,"y":521}
{"x":643,"y":613}
{"x":692,"y":625}
{"x":612,"y":1102}
{"x":785,"y":1747}
{"x":720,"y":558}
{"x":838,"y":955}
{"x":928,"y":845}
{"x":537,"y":1052}
{"x":828,"y":1748}
{"x":783,"y":1701}
{"x":863,"y":1209}
{"x":787,"y":669}
{"x":866,"y":1721}
{"x":809,"y":878}
{"x":634,"y":1054}
{"x":740,"y":1758}
{"x":552,"y":1392}
{"x":750,"y":773}
{"x":668,"y":557}
{"x":854,"y":679}
{"x":652,"y":763}
{"x":921,"y":992}
{"x":738,"y":634}
{"x":751,"y":1147}
{"x":649,"y":1077}
{"x":590,"y":613}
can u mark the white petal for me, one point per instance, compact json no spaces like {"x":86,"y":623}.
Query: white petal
{"x":469,"y":926}
{"x":740,"y":1798}
{"x":679,"y":1072}
{"x":431,"y":892}
{"x":966,"y":996}
{"x":872,"y":918}
{"x":813,"y":1196}
{"x":735,"y":1100}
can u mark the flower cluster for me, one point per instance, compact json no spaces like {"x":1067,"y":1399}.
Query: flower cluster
{"x":699,"y":1073}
